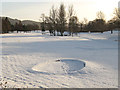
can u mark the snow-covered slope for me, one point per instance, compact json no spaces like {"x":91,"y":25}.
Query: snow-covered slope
{"x":89,"y":60}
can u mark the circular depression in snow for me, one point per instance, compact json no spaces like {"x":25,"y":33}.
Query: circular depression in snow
{"x":60,"y":66}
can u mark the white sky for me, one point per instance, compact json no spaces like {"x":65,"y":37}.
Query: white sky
{"x":32,"y":9}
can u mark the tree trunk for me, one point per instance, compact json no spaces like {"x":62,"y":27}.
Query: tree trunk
{"x":111,"y":31}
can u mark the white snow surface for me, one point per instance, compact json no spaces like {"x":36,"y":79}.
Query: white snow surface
{"x":89,"y":60}
{"x":60,"y":67}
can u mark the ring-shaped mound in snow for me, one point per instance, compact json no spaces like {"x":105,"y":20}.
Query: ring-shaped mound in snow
{"x":60,"y":66}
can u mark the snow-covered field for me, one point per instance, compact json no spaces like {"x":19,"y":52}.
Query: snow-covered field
{"x":89,"y":60}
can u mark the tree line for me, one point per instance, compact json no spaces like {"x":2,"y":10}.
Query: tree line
{"x":19,"y":27}
{"x":60,"y":21}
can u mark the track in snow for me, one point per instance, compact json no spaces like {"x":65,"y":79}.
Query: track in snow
{"x":22,"y":54}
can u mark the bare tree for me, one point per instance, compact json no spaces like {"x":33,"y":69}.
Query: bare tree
{"x":81,"y":25}
{"x":85,"y":21}
{"x":117,"y":13}
{"x":42,"y":20}
{"x":53,"y":16}
{"x":100,"y":15}
{"x":49,"y":25}
{"x":51,"y":21}
{"x":73,"y":23}
{"x":70,"y":14}
{"x":70,"y":11}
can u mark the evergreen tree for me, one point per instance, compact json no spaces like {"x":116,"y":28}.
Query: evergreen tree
{"x":6,"y":25}
{"x":20,"y":26}
{"x":16,"y":28}
{"x":61,"y":19}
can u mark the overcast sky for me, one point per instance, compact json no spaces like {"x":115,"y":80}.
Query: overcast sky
{"x":32,"y":9}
